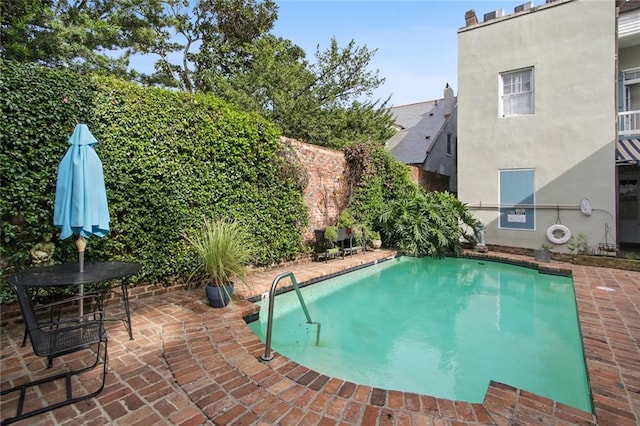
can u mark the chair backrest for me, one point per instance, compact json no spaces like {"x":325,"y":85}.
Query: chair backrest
{"x":24,"y":299}
{"x":16,"y":282}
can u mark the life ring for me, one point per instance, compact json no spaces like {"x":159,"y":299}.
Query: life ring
{"x":558,"y":234}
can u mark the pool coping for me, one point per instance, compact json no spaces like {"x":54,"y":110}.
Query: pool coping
{"x":305,"y":283}
{"x":191,"y":364}
{"x":501,"y":400}
{"x":495,"y":388}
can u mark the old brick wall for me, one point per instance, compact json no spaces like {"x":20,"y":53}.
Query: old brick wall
{"x":325,"y":195}
{"x":431,"y":181}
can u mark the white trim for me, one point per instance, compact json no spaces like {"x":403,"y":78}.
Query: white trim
{"x":522,"y":92}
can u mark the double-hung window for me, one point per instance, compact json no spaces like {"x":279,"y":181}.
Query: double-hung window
{"x":517,"y":199}
{"x":516,"y":92}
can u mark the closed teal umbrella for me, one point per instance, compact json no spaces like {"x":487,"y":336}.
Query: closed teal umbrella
{"x":81,"y":199}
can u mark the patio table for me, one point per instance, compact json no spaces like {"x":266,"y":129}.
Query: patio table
{"x":67,"y":274}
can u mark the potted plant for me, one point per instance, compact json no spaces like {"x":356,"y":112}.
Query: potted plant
{"x":374,"y":238}
{"x":225,"y":249}
{"x":543,"y":254}
{"x":331,"y":235}
{"x":359,"y":235}
{"x":346,"y":221}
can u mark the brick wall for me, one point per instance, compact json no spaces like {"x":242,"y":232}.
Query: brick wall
{"x":431,"y":181}
{"x":325,"y":195}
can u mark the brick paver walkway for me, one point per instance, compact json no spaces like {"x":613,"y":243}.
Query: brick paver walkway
{"x":191,"y":364}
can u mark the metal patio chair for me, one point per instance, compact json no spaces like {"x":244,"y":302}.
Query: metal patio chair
{"x":52,"y":339}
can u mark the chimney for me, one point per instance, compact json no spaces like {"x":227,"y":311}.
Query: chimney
{"x":498,"y":13}
{"x":448,"y":100}
{"x":470,"y":18}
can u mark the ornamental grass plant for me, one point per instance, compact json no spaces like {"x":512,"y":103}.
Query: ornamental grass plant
{"x":225,"y":248}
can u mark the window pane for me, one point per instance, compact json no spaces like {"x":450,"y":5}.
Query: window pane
{"x":521,"y":104}
{"x":517,"y":92}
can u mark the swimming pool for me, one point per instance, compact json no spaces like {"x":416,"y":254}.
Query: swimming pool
{"x":439,"y":327}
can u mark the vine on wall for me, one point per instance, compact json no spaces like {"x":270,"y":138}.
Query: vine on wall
{"x":169,"y":159}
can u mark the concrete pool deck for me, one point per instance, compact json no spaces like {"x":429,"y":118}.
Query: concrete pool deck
{"x":191,"y":364}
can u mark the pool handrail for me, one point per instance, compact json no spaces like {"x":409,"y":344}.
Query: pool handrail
{"x":268,"y":356}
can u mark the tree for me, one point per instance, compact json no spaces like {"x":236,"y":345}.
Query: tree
{"x":318,"y":103}
{"x":218,"y":29}
{"x":23,"y":30}
{"x":86,"y":36}
{"x":224,"y":48}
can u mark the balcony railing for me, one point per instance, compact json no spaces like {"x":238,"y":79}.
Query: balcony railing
{"x":629,"y":123}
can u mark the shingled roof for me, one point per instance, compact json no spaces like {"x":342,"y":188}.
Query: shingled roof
{"x":418,"y":126}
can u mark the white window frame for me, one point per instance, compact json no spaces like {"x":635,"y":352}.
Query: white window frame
{"x":629,"y":77}
{"x":519,"y":99}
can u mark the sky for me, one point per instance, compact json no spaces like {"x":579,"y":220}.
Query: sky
{"x":416,"y":40}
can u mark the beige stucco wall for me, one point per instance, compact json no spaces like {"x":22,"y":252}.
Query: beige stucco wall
{"x":569,"y":140}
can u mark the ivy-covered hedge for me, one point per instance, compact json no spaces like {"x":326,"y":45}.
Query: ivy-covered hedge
{"x":169,"y":160}
{"x":376,"y":179}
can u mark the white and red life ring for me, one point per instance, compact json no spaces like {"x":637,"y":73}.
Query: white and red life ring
{"x":558,"y":234}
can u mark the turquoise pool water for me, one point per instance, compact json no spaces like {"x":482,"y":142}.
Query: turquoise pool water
{"x":439,"y":327}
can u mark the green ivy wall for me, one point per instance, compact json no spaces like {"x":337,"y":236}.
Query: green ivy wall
{"x":169,"y":159}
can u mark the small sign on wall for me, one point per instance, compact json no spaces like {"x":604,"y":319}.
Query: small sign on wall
{"x":517,"y":216}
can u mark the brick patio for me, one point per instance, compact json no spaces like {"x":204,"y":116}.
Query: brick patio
{"x":191,"y":364}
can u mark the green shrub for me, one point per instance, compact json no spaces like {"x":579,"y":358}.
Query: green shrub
{"x":225,"y":249}
{"x":39,"y":110}
{"x":169,"y":159}
{"x":331,"y":233}
{"x":345,"y":219}
{"x":375,"y":179}
{"x":426,"y":224}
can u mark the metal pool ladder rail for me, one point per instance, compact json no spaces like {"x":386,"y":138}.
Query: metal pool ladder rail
{"x":268,"y":356}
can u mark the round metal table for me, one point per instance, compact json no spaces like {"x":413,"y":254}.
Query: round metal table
{"x":67,"y":274}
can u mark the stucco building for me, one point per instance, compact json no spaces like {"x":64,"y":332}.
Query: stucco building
{"x":537,"y":121}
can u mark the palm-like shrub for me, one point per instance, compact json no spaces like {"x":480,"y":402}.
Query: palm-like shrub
{"x":426,"y":224}
{"x":225,"y":248}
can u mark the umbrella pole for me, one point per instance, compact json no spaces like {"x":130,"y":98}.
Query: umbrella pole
{"x":81,"y":243}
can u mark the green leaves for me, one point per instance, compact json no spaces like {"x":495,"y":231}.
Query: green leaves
{"x":316,"y":103}
{"x":225,"y":248}
{"x":383,"y":198}
{"x":38,"y":112}
{"x":169,"y":159}
{"x":93,"y":35}
{"x":426,"y":223}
